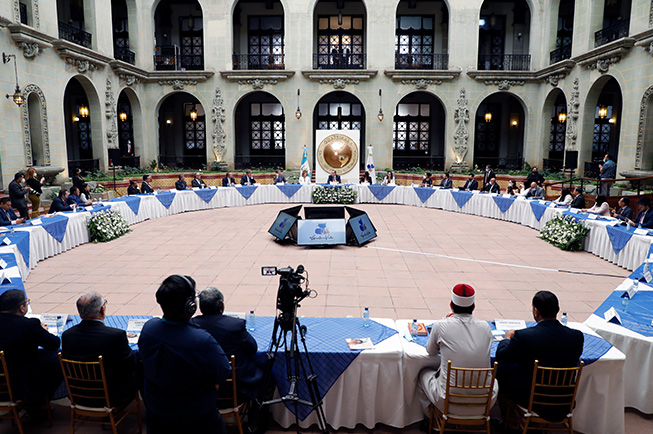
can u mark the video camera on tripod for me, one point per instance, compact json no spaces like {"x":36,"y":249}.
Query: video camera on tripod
{"x":290,"y":292}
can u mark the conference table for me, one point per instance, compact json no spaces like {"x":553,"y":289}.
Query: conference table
{"x":378,"y":385}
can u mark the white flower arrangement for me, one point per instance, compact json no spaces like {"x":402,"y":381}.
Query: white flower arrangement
{"x":344,"y":195}
{"x":107,"y":225}
{"x":564,"y":232}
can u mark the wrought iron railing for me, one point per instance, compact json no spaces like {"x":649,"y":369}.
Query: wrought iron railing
{"x":75,"y":35}
{"x":591,"y":169}
{"x":87,"y":165}
{"x":612,"y":33}
{"x":426,"y":163}
{"x":124,"y":54}
{"x":168,"y":58}
{"x":134,"y":161}
{"x":258,"y":61}
{"x":561,"y":53}
{"x":421,"y":61}
{"x":552,"y":164}
{"x":504,"y":62}
{"x":339,"y":61}
{"x":274,"y":161}
{"x":507,"y":163}
{"x":183,"y":161}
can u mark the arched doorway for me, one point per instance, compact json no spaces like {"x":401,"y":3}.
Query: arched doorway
{"x":83,"y":126}
{"x":260,"y":132}
{"x":340,"y":35}
{"x":499,"y":132}
{"x":504,"y":36}
{"x":182,"y":132}
{"x":422,"y":35}
{"x":126,"y":119}
{"x":258,"y":33}
{"x":555,"y":111}
{"x":178,"y":36}
{"x":340,"y":111}
{"x":418,"y":132}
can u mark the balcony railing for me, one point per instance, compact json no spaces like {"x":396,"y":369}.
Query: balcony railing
{"x":421,"y":61}
{"x":552,"y":164}
{"x":504,"y":62}
{"x":273,"y":161}
{"x":134,"y":161}
{"x":339,"y":61}
{"x":168,"y":58}
{"x":124,"y":54}
{"x":183,"y":161}
{"x":612,"y":33}
{"x":507,"y":163}
{"x":75,"y":35}
{"x":426,"y":163}
{"x":258,"y":61}
{"x":561,"y":53}
{"x":87,"y":166}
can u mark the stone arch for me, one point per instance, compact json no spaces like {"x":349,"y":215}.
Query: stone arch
{"x":29,"y":91}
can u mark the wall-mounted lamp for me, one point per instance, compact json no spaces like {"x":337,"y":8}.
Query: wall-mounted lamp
{"x":17,"y":97}
{"x":613,"y":120}
{"x":298,"y":113}
{"x":123,"y":116}
{"x":380,"y":115}
{"x":169,"y":121}
{"x":514,"y":123}
{"x":562,"y":117}
{"x":488,"y":117}
{"x":83,"y":111}
{"x":603,"y":111}
{"x":75,"y":118}
{"x":193,"y":113}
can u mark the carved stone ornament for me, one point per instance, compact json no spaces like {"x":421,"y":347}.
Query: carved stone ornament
{"x":258,"y":83}
{"x":30,"y":49}
{"x":219,"y":135}
{"x":504,"y":84}
{"x":650,"y":15}
{"x":339,"y":83}
{"x":421,"y":83}
{"x":178,"y":84}
{"x":129,"y":79}
{"x":16,"y":10}
{"x":641,"y":129}
{"x":25,"y":121}
{"x":603,"y":65}
{"x":36,"y":18}
{"x":572,"y":118}
{"x":461,"y":132}
{"x":554,"y":79}
{"x":81,"y":65}
{"x":112,"y":119}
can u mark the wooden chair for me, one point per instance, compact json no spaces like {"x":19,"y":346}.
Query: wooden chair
{"x":9,"y":409}
{"x":232,"y":413}
{"x":89,"y":396}
{"x":551,"y":387}
{"x":469,"y":390}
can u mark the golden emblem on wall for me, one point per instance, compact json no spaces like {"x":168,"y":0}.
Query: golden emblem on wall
{"x":337,"y":152}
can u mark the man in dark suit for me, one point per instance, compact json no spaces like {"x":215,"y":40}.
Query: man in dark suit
{"x":247,"y":179}
{"x":180,"y":184}
{"x":17,"y":195}
{"x":59,"y":203}
{"x":279,"y":178}
{"x":198,"y":182}
{"x":644,"y":215}
{"x":579,"y":199}
{"x":535,"y":192}
{"x":146,"y":188}
{"x":446,"y":181}
{"x":91,"y":338}
{"x":35,"y":372}
{"x":228,"y":180}
{"x":74,"y":199}
{"x":535,"y":176}
{"x":492,"y":187}
{"x":133,"y":188}
{"x":549,"y":342}
{"x":471,"y":184}
{"x":625,"y":212}
{"x":7,"y":214}
{"x":334,"y":178}
{"x":488,"y":175}
{"x":234,"y":339}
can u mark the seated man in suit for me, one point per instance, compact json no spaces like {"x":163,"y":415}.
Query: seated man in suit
{"x":492,"y":186}
{"x":535,"y":192}
{"x":247,"y":179}
{"x":92,"y":338}
{"x":427,"y":181}
{"x":180,"y":184}
{"x":279,"y":178}
{"x":198,"y":182}
{"x":30,"y":350}
{"x":146,"y":188}
{"x":471,"y":184}
{"x":644,"y":217}
{"x":549,"y":342}
{"x":75,"y":200}
{"x":446,"y":181}
{"x":624,"y":212}
{"x":333,"y":177}
{"x":579,"y":199}
{"x":133,"y":188}
{"x":228,"y":180}
{"x":234,"y":339}
{"x":7,"y":214}
{"x":60,"y":203}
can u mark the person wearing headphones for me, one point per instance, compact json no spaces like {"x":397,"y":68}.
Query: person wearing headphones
{"x":183,"y":365}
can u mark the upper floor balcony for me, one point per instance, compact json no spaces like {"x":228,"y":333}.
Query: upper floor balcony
{"x":338,"y":60}
{"x":560,"y":53}
{"x":504,"y":62}
{"x":258,"y":61}
{"x":75,"y":35}
{"x":611,"y":33}
{"x":422,"y":61}
{"x":172,"y":58}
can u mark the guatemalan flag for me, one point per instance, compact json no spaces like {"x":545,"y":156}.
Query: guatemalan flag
{"x":305,"y":165}
{"x":370,"y":165}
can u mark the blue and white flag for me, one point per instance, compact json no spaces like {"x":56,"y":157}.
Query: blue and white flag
{"x":370,"y":165}
{"x":305,"y":165}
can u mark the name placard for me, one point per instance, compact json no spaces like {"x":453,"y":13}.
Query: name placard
{"x":510,"y":324}
{"x":611,"y":315}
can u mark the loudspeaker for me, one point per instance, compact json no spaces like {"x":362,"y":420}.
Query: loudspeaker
{"x":571,"y":160}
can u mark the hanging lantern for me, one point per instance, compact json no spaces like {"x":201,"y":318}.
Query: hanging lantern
{"x":83,"y":111}
{"x":193,"y":113}
{"x":488,"y":117}
{"x":603,"y":111}
{"x":123,"y":116}
{"x":562,"y":117}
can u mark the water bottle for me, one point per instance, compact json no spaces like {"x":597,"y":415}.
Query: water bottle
{"x":159,"y":190}
{"x":414,"y":328}
{"x":366,"y":317}
{"x":251,"y":321}
{"x":563,"y":319}
{"x":59,"y":325}
{"x":12,"y":230}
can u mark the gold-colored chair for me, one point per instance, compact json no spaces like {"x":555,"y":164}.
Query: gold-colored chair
{"x":467,"y":401}
{"x":232,"y":413}
{"x":9,"y":409}
{"x":89,"y":396}
{"x":551,"y":387}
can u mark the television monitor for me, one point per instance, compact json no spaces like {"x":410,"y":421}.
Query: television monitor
{"x":362,"y":229}
{"x":282,"y":225}
{"x":321,"y":232}
{"x":324,"y":212}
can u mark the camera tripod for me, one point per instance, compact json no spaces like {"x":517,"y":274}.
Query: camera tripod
{"x":298,"y":368}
